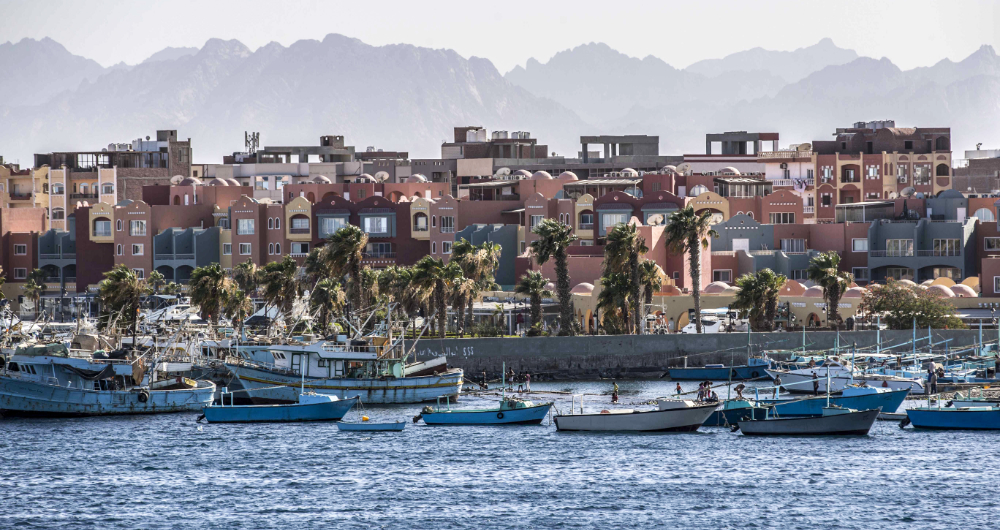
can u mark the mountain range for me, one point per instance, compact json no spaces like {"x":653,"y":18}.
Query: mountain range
{"x":403,"y":97}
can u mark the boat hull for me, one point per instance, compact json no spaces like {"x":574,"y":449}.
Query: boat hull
{"x":526,"y":416}
{"x":977,"y":418}
{"x":677,"y":420}
{"x":267,"y":387}
{"x":802,"y":383}
{"x":858,"y":423}
{"x":753,"y":371}
{"x":725,"y":418}
{"x":27,"y":398}
{"x":813,"y":406}
{"x":297,"y":412}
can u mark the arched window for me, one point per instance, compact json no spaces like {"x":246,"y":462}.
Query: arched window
{"x":985,"y":215}
{"x":83,"y":189}
{"x":58,"y":214}
{"x":434,"y":247}
{"x":698,"y":190}
{"x":270,"y":249}
{"x":434,"y":220}
{"x":270,"y":223}
{"x":187,"y":200}
{"x":57,"y":189}
{"x":942,"y":170}
{"x":177,"y":200}
{"x":750,"y":215}
{"x":277,"y":223}
{"x":119,"y":250}
{"x":119,"y":225}
{"x":277,"y":248}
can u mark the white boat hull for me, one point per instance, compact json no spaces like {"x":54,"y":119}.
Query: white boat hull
{"x":264,"y":387}
{"x":802,"y":383}
{"x":675,"y":419}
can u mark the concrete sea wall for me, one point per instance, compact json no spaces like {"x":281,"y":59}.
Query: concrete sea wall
{"x":638,"y":356}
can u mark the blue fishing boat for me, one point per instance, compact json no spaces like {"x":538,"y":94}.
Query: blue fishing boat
{"x":733,"y":411}
{"x":858,"y":398}
{"x":754,"y":369}
{"x":311,"y":407}
{"x":964,"y":418}
{"x":512,"y":411}
{"x":371,"y":426}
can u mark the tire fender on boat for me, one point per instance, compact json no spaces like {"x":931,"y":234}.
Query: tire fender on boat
{"x":755,"y":374}
{"x":499,"y":415}
{"x":143,"y":396}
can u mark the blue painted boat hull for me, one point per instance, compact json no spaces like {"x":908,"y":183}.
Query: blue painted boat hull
{"x":527,"y":416}
{"x":718,"y":374}
{"x":813,"y":406}
{"x":955,"y":419}
{"x":326,"y":411}
{"x":725,"y":418}
{"x":369,"y":427}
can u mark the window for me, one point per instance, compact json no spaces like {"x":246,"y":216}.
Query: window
{"x":262,"y":183}
{"x":799,"y":274}
{"x":381,"y":250}
{"x":586,"y":221}
{"x":137,"y":250}
{"x":299,"y":248}
{"x":270,"y":223}
{"x":586,"y":242}
{"x":796,"y":246}
{"x":872,"y":172}
{"x":137,"y":228}
{"x":277,"y":249}
{"x":377,"y":225}
{"x":826,"y":200}
{"x":224,"y":223}
{"x":118,"y":225}
{"x":921,"y":175}
{"x":102,"y":228}
{"x":860,"y":273}
{"x":58,"y":214}
{"x":849,"y":176}
{"x":20,"y":274}
{"x":809,"y":174}
{"x":330,"y":225}
{"x":20,"y":250}
{"x":446,"y":247}
{"x":991,"y":243}
{"x":902,"y":173}
{"x":58,"y":189}
{"x":277,"y":223}
{"x":722,"y":275}
{"x":447,"y":224}
{"x":119,"y":250}
{"x":898,"y":247}
{"x":139,"y":273}
{"x":859,"y":245}
{"x":244,"y":227}
{"x":656,"y":186}
{"x":996,"y":284}
{"x":952,"y":273}
{"x":187,"y":199}
{"x":300,"y":223}
{"x":947,"y":247}
{"x":420,"y":223}
{"x":612,"y":219}
{"x":908,"y":145}
{"x":782,"y":218}
{"x":524,"y":247}
{"x":535,"y":221}
{"x":108,"y":189}
{"x":984,"y":215}
{"x":227,"y":249}
{"x":434,"y":247}
{"x":827,"y":173}
{"x":244,"y":249}
{"x":698,"y":190}
{"x":361,"y":194}
{"x":270,"y":249}
{"x":899,"y":273}
{"x":434,"y":221}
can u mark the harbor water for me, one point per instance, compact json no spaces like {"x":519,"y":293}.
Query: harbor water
{"x":167,"y":471}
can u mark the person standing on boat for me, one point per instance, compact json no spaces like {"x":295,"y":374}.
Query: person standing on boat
{"x":739,"y":391}
{"x":701,"y":391}
{"x":527,"y":382}
{"x":777,"y":384}
{"x":815,"y":384}
{"x":932,"y":378}
{"x":614,"y":392}
{"x":679,"y":389}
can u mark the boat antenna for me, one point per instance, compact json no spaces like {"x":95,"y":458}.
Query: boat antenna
{"x":503,"y":382}
{"x":828,"y":386}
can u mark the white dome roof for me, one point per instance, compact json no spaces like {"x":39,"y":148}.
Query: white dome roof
{"x":322,"y":179}
{"x":582,"y":288}
{"x":730,"y":170}
{"x":568,"y":175}
{"x":217,"y":182}
{"x":715,"y":288}
{"x":813,"y":292}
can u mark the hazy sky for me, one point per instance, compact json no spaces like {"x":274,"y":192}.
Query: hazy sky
{"x":910,"y":33}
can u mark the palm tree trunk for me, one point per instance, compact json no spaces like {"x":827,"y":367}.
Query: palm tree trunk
{"x":442,"y":313}
{"x":695,"y":260}
{"x":562,"y":289}
{"x":469,"y":317}
{"x":633,"y":262}
{"x":459,"y":318}
{"x":536,"y":310}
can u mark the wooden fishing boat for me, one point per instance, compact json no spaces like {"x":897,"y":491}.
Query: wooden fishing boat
{"x":311,"y":407}
{"x":834,"y":421}
{"x":681,"y":416}
{"x":955,"y":418}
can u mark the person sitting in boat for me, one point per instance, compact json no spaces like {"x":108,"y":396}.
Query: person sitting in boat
{"x":714,"y":396}
{"x":614,"y":392}
{"x":739,"y":390}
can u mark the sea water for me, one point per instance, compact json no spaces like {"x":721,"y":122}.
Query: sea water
{"x":168,"y":471}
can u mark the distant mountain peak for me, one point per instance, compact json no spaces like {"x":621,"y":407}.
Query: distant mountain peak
{"x":789,"y":65}
{"x":170,"y":54}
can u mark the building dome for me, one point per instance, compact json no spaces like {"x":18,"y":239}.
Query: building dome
{"x":854,"y":292}
{"x":629,"y":172}
{"x":941,"y":290}
{"x":730,"y":170}
{"x":907,"y":283}
{"x":963,"y":291}
{"x":793,"y":288}
{"x":322,"y":179}
{"x":568,"y":175}
{"x":417,"y":178}
{"x":813,"y":292}
{"x":669,"y":170}
{"x":233,"y":182}
{"x":583,"y":288}
{"x":670,"y":290}
{"x":541,"y":175}
{"x":521,"y":174}
{"x":715,"y":288}
{"x":217,"y":182}
{"x":191,"y":181}
{"x":403,"y":198}
{"x":364,"y":177}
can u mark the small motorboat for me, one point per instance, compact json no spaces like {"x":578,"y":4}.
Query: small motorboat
{"x":512,"y":411}
{"x":755,"y":368}
{"x":954,"y":418}
{"x":371,"y":426}
{"x":311,"y":407}
{"x":852,"y":397}
{"x":733,"y":411}
{"x":671,"y":415}
{"x":834,"y":421}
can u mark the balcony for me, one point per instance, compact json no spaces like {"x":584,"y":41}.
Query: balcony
{"x":298,"y":230}
{"x":848,"y":179}
{"x":20,"y":197}
{"x":777,"y":155}
{"x":782,"y":183}
{"x":808,"y":209}
{"x":102,"y":233}
{"x":586,"y":226}
{"x":379,"y":255}
{"x":940,"y":253}
{"x":56,"y":255}
{"x":890,"y":254}
{"x":160,"y":256}
{"x":82,"y":195}
{"x":420,"y":229}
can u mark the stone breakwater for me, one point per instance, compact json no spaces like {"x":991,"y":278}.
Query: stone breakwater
{"x":649,"y":356}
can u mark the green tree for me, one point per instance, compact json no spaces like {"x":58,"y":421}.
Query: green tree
{"x":623,"y":250}
{"x":207,"y":290}
{"x":35,"y":287}
{"x":120,"y":293}
{"x":172,"y":288}
{"x":247,"y":277}
{"x":898,"y":305}
{"x":554,"y":238}
{"x":236,"y":305}
{"x":434,"y":275}
{"x":3,"y":280}
{"x":156,"y":280}
{"x":688,"y":233}
{"x":651,"y":280}
{"x":279,"y":283}
{"x":758,"y":298}
{"x":824,"y":270}
{"x":325,"y":299}
{"x":341,"y":256}
{"x":533,"y":285}
{"x":613,"y":302}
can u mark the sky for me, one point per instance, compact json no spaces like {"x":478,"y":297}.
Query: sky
{"x":910,"y":33}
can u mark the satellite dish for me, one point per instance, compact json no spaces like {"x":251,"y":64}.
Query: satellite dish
{"x":655,"y":220}
{"x":799,"y":184}
{"x":381,"y":176}
{"x":907,"y":192}
{"x":919,"y":195}
{"x":176,"y":179}
{"x":892,"y":195}
{"x":502,"y":173}
{"x":684,"y":168}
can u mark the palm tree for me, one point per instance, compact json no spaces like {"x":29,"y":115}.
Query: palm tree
{"x":466,"y":255}
{"x":280,"y":283}
{"x":236,"y":305}
{"x":433,"y":275}
{"x":120,"y":292}
{"x":156,"y":280}
{"x":341,"y":256}
{"x":172,"y":288}
{"x":554,"y":238}
{"x":622,"y":253}
{"x":326,"y":298}
{"x":824,"y":269}
{"x":3,"y":280}
{"x":247,"y":277}
{"x":613,"y":302}
{"x":688,"y":232}
{"x":462,"y":290}
{"x":207,"y":290}
{"x":533,"y":285}
{"x":758,"y":297}
{"x":651,"y":279}
{"x":35,"y":287}
{"x":369,"y":286}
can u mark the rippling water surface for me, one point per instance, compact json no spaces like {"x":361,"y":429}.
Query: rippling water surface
{"x":168,"y":472}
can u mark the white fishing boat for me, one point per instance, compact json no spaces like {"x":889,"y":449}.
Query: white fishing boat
{"x":841,"y":374}
{"x":672,"y":415}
